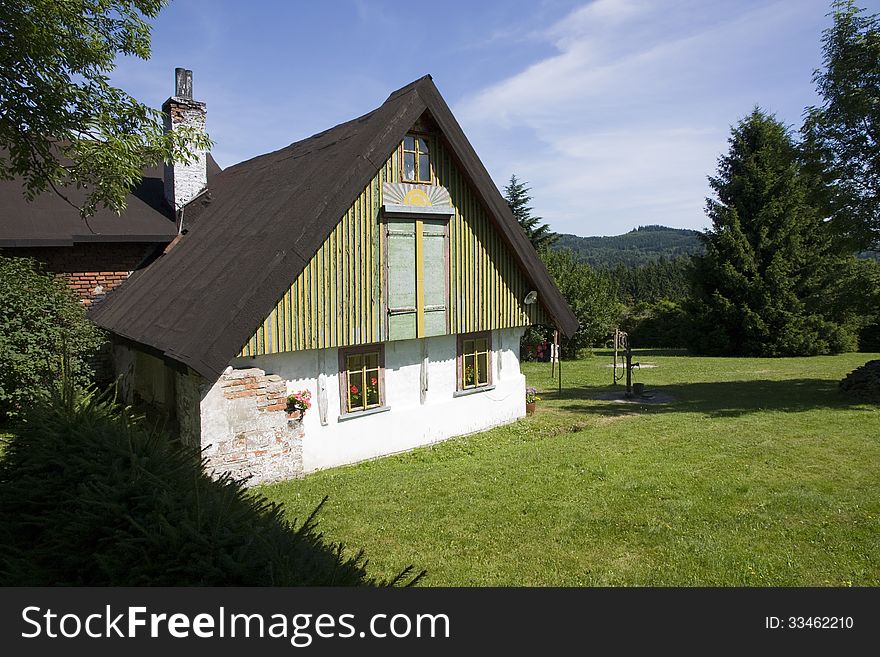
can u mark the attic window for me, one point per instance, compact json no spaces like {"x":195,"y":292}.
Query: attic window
{"x":416,"y":159}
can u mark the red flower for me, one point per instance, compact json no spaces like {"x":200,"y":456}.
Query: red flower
{"x":354,"y":390}
{"x":374,"y":380}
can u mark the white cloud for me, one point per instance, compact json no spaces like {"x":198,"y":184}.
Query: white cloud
{"x":621,"y":125}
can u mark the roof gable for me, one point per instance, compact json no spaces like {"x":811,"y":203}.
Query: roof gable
{"x":200,"y":302}
{"x":343,"y":297}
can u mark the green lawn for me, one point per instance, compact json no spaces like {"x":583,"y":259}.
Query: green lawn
{"x":760,"y":473}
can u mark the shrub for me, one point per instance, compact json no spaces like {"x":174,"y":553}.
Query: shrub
{"x":536,"y":342}
{"x":91,"y":497}
{"x":660,"y":324}
{"x":869,"y":338}
{"x":40,"y":321}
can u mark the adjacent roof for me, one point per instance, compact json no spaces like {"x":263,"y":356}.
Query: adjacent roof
{"x":49,"y":220}
{"x":201,"y":301}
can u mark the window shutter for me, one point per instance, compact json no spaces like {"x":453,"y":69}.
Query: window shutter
{"x":401,"y":240}
{"x":417,"y":304}
{"x":434,"y":255}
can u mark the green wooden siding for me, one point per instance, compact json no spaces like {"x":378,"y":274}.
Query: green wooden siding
{"x":340,"y":297}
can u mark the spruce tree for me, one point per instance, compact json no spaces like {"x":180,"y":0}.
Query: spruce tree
{"x":516,"y":194}
{"x":766,"y":283}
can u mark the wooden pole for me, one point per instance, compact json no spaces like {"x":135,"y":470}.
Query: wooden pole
{"x":628,"y":369}
{"x":616,"y":338}
{"x":559,"y":370}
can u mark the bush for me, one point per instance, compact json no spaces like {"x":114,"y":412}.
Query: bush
{"x":860,"y":295}
{"x":869,"y":338}
{"x":40,"y":321}
{"x":90,"y":497}
{"x":662,"y":324}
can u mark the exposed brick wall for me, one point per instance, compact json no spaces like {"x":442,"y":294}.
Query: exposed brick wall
{"x":245,"y":430}
{"x":269,"y":390}
{"x":91,"y":270}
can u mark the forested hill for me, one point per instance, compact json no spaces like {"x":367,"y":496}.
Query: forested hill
{"x":638,"y":247}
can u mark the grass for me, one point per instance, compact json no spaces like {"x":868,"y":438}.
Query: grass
{"x":760,"y":473}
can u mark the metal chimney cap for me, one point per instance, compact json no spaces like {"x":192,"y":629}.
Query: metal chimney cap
{"x":183,"y":83}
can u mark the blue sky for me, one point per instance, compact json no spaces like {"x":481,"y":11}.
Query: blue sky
{"x":614,"y":111}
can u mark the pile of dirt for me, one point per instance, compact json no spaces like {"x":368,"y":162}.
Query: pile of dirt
{"x":863,"y":382}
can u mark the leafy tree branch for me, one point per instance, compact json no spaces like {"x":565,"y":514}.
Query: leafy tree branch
{"x":62,"y":124}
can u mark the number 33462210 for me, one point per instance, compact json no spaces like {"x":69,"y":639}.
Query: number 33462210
{"x":809,"y":622}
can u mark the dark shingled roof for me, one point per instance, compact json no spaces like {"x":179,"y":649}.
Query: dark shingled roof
{"x":268,"y":216}
{"x":50,"y":221}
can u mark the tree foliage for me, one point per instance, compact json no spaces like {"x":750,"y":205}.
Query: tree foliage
{"x":516,"y":193}
{"x":590,"y":295}
{"x":42,"y":326}
{"x":89,"y":496}
{"x":767,"y":282}
{"x":841,"y":135}
{"x":662,"y":323}
{"x":61,"y":122}
{"x":858,"y":293}
{"x":661,"y":280}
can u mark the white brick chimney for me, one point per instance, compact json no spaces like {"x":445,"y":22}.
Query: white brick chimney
{"x":183,"y":182}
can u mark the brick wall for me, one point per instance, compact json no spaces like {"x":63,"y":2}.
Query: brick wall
{"x":91,"y":270}
{"x":269,"y":391}
{"x":245,"y":430}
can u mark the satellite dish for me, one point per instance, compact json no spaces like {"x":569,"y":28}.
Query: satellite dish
{"x":531,"y":297}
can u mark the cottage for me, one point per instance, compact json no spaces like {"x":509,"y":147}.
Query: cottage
{"x":374,"y":265}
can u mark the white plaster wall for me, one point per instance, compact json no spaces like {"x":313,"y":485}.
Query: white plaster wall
{"x":407,"y":423}
{"x":241,"y":436}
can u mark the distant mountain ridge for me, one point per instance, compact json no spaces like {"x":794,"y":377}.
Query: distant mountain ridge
{"x":640,"y":246}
